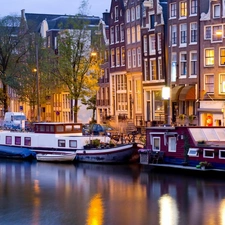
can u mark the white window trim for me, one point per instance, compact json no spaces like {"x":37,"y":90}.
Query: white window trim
{"x":170,"y":139}
{"x":193,"y":152}
{"x":210,"y":157}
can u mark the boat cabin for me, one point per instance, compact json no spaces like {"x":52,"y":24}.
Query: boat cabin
{"x":185,"y":145}
{"x":58,"y":128}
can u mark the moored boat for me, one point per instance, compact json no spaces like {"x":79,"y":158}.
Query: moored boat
{"x":49,"y":138}
{"x":56,"y":157}
{"x":194,"y":147}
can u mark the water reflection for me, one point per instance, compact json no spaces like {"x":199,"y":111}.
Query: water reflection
{"x":90,"y":194}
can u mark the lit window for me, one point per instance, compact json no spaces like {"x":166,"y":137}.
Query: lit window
{"x":128,"y":35}
{"x":217,"y":33}
{"x":138,"y":33}
{"x":153,"y":72}
{"x":117,"y":56}
{"x":209,"y":57}
{"x":112,"y":58}
{"x":222,"y":83}
{"x":222,"y":56}
{"x":122,"y":56}
{"x":133,"y":35}
{"x":183,"y":9}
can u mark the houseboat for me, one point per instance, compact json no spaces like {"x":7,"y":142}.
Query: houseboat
{"x":51,"y":138}
{"x":184,"y":147}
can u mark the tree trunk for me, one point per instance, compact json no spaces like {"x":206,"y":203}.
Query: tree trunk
{"x":5,"y":102}
{"x":75,"y":110}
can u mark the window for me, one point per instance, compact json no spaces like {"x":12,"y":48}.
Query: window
{"x":183,"y":64}
{"x":117,"y":56}
{"x":112,"y":58}
{"x":193,"y":58}
{"x":193,"y":152}
{"x":116,"y":13}
{"x":61,"y":143}
{"x":183,"y":9}
{"x":17,"y":140}
{"x":152,"y":44}
{"x":129,"y":58}
{"x":132,"y":14}
{"x":183,"y":33}
{"x":208,"y":32}
{"x":128,"y":15}
{"x":146,"y":72}
{"x":193,"y":32}
{"x":159,"y":42}
{"x":217,"y":33}
{"x":8,"y":140}
{"x":134,"y":57}
{"x":209,"y":57}
{"x":139,"y":57}
{"x":73,"y":144}
{"x":112,"y":35}
{"x":27,"y":141}
{"x":138,"y":12}
{"x":174,"y":67}
{"x":122,"y":56}
{"x":145,"y":40}
{"x":222,"y":56}
{"x":156,"y":144}
{"x":128,"y":35}
{"x":208,"y":153}
{"x":194,"y":6}
{"x":160,"y":68}
{"x":117,"y":33}
{"x":173,"y":10}
{"x":133,"y":35}
{"x":222,"y":83}
{"x":153,"y":71}
{"x":216,"y":11}
{"x":221,"y":154}
{"x":174,"y":35}
{"x":151,"y":22}
{"x":121,"y":32}
{"x":138,"y":33}
{"x":172,"y":144}
{"x":209,"y":83}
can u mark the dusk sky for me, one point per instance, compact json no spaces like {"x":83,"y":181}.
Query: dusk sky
{"x":69,"y":7}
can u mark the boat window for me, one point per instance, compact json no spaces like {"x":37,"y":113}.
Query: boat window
{"x":156,"y":144}
{"x":73,"y":144}
{"x":68,"y":128}
{"x":59,"y":128}
{"x":61,"y":143}
{"x":222,"y":154}
{"x":8,"y":140}
{"x":17,"y":140}
{"x":42,"y":128}
{"x":172,"y":144}
{"x":208,"y":153}
{"x":76,"y":127}
{"x":27,"y":141}
{"x":47,"y":128}
{"x":52,"y":129}
{"x":193,"y":152}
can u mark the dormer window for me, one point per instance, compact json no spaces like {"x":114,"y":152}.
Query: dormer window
{"x":216,"y":11}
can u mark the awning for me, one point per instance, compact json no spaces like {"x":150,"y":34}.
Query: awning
{"x":175,"y":93}
{"x":210,"y":110}
{"x":187,"y":93}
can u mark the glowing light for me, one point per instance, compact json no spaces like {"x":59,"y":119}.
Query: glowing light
{"x":168,"y":212}
{"x":95,"y":211}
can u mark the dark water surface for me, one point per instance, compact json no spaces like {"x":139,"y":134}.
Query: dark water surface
{"x":37,"y":193}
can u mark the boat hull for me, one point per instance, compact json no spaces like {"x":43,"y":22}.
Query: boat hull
{"x":56,"y":157}
{"x":120,"y":154}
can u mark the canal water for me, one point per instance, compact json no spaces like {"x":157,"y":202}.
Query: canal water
{"x":38,"y":193}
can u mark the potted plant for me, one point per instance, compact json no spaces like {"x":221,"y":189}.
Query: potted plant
{"x":191,"y":119}
{"x":182,"y":118}
{"x":205,"y":165}
{"x":96,"y":143}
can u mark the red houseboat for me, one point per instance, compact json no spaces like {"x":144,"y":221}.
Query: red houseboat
{"x":193,"y":147}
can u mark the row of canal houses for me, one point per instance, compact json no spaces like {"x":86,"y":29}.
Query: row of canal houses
{"x":177,"y":44}
{"x":152,"y":44}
